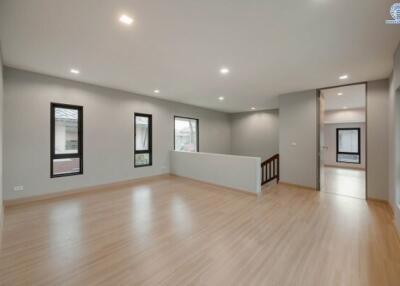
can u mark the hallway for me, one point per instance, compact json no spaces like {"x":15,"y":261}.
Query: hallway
{"x":345,"y":182}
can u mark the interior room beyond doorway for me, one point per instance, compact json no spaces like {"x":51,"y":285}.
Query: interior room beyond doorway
{"x":343,"y":141}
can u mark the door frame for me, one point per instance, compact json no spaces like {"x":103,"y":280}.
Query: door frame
{"x":318,"y":132}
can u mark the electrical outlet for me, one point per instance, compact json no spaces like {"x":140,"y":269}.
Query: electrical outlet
{"x":18,"y":188}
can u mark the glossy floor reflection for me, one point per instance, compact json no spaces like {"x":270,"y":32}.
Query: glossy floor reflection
{"x":346,"y":182}
{"x":174,"y":231}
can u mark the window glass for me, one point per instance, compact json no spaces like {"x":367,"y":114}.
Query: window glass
{"x":66,"y":131}
{"x":186,"y":134}
{"x":142,"y":133}
{"x":66,"y":166}
{"x":348,"y":158}
{"x":348,"y":141}
{"x":142,"y":159}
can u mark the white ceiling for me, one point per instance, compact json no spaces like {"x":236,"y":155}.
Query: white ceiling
{"x":352,"y":96}
{"x":177,"y":46}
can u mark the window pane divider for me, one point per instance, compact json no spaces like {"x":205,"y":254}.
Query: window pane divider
{"x":142,"y":151}
{"x":66,"y":156}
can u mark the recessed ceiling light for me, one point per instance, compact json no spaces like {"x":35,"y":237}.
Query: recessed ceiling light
{"x":253,"y":108}
{"x":344,"y":107}
{"x":125,"y":19}
{"x":340,"y":93}
{"x":221,"y":98}
{"x":156,"y":91}
{"x":224,"y":70}
{"x":345,"y":76}
{"x":75,"y":71}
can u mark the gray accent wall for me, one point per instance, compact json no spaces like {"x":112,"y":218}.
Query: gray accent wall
{"x":298,"y":138}
{"x":394,"y":140}
{"x":255,"y":133}
{"x":1,"y":139}
{"x":377,"y":139}
{"x":108,"y":133}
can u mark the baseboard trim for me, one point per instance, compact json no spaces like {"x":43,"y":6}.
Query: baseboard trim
{"x":345,"y":167}
{"x":1,"y":220}
{"x":296,"y":186}
{"x":25,"y":200}
{"x":379,"y":201}
{"x":19,"y":201}
{"x":216,"y":185}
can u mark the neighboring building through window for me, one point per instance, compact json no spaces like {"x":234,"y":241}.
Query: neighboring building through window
{"x":143,"y":140}
{"x":66,"y":140}
{"x":348,"y":145}
{"x":186,"y":134}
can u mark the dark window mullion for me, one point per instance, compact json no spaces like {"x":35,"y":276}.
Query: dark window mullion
{"x":79,"y":154}
{"x":338,"y":152}
{"x":142,"y":151}
{"x":67,"y":156}
{"x":149,"y":150}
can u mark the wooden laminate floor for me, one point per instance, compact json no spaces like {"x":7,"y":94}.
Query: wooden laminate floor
{"x":344,"y":181}
{"x":174,"y":231}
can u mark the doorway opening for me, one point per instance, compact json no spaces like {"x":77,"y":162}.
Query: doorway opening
{"x":342,"y":152}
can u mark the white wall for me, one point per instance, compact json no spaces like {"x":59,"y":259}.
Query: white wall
{"x":394,"y":139}
{"x":377,"y":139}
{"x":355,"y":115}
{"x":108,"y":133}
{"x":255,"y":133}
{"x":298,"y":138}
{"x":237,"y":172}
{"x":330,"y":143}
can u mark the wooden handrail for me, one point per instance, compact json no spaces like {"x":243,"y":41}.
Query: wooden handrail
{"x":270,"y":170}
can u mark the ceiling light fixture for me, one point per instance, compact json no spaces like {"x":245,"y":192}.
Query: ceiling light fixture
{"x":125,"y":19}
{"x":342,"y":77}
{"x":224,"y":70}
{"x":221,"y":98}
{"x":340,"y":93}
{"x":157,"y":91}
{"x":75,"y":71}
{"x":344,"y":107}
{"x":253,"y":108}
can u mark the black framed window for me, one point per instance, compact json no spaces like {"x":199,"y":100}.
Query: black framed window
{"x":143,"y":140}
{"x":66,"y":128}
{"x":348,"y":145}
{"x":186,"y":134}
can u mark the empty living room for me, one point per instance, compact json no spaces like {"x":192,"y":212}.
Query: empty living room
{"x":218,"y":142}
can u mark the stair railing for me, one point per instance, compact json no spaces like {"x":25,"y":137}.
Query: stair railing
{"x":270,"y":170}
